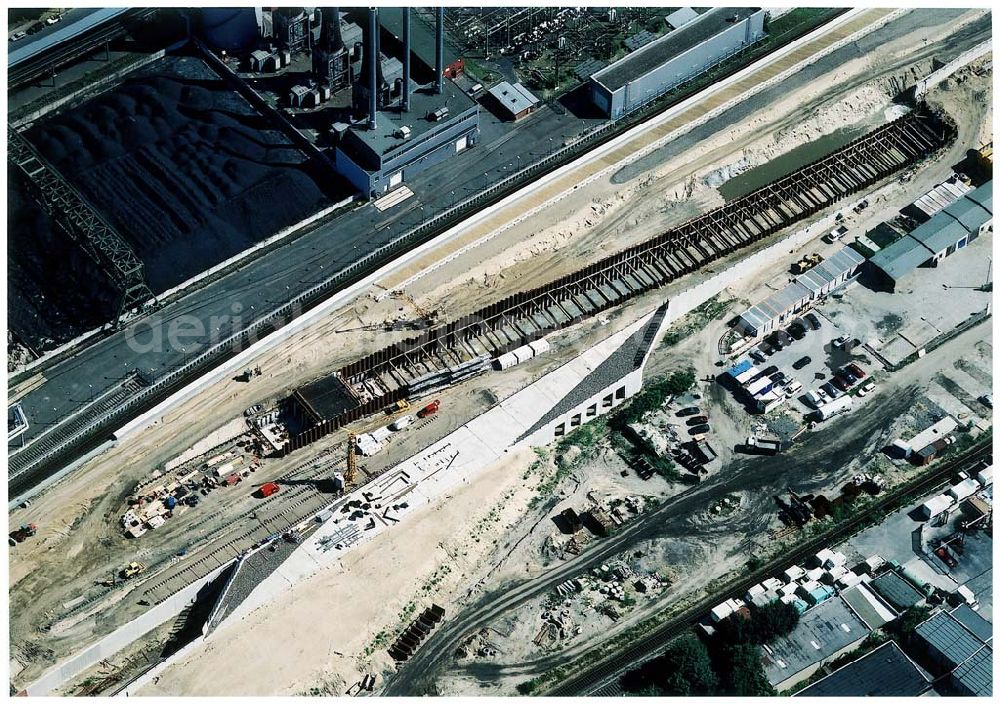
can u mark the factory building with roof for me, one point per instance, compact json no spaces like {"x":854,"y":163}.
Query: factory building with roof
{"x":403,"y":144}
{"x":781,"y":307}
{"x":403,"y":137}
{"x":884,"y":672}
{"x":948,"y":231}
{"x":678,"y":56}
{"x":824,"y":633}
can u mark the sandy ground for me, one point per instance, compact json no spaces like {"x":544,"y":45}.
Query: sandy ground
{"x":320,"y":648}
{"x":80,"y":512}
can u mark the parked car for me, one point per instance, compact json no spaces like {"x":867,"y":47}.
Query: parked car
{"x":17,"y":36}
{"x":689,"y":411}
{"x":697,"y":420}
{"x":986,"y":400}
{"x":849,"y":375}
{"x":793,"y":388}
{"x":770,"y":370}
{"x":766,"y":347}
{"x":758,"y":356}
{"x":835,"y":234}
{"x":866,"y":388}
{"x":838,"y":344}
{"x":797,"y":329}
{"x":814,"y":321}
{"x":801,"y":362}
{"x":831,"y":391}
{"x":945,"y":555}
{"x":775,"y":341}
{"x":784,"y":337}
{"x":253,"y":410}
{"x":699,"y":429}
{"x":779,"y":378}
{"x":841,"y":381}
{"x":857,"y":370}
{"x":816,"y":398}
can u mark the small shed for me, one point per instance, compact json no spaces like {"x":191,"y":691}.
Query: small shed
{"x":515,"y":100}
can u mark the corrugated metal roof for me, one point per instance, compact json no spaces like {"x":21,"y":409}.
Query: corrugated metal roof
{"x":949,"y":637}
{"x":969,"y":213}
{"x":901,"y":257}
{"x":884,"y":672}
{"x":982,"y":628}
{"x":976,"y":674}
{"x":896,"y":590}
{"x":983,"y":195}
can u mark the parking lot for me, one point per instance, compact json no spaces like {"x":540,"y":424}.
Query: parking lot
{"x":813,"y":360}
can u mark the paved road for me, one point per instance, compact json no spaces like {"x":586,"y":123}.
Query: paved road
{"x":806,"y":468}
{"x":229,"y":303}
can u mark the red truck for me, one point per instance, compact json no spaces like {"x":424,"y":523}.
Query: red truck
{"x":269,"y":489}
{"x":429,"y":410}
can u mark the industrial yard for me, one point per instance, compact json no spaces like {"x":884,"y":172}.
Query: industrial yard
{"x":528,"y":428}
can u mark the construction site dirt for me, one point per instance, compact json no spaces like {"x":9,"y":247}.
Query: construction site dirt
{"x":312,"y":355}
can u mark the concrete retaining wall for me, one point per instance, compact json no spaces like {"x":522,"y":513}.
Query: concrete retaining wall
{"x":65,"y":671}
{"x":964,"y":59}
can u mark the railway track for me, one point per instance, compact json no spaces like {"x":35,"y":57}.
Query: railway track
{"x":602,"y":679}
{"x":97,"y":431}
{"x":384,"y":377}
{"x":53,"y":438}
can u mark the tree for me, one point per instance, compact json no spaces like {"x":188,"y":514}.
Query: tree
{"x":689,"y":657}
{"x":762,"y":624}
{"x":679,"y":382}
{"x":684,"y":669}
{"x":742,"y":672}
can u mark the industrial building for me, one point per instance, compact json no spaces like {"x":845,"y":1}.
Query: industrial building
{"x":678,"y":56}
{"x":824,"y":633}
{"x":959,"y":644}
{"x":948,"y":231}
{"x":884,"y":672}
{"x":937,"y":199}
{"x":782,"y":306}
{"x":399,"y":139}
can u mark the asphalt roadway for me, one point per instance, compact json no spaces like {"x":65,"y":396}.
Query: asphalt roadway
{"x":229,"y":303}
{"x":806,"y":468}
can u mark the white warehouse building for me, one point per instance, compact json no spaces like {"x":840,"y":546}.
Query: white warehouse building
{"x":676,"y":57}
{"x":781,"y":307}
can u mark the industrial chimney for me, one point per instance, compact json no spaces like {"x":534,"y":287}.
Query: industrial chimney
{"x":331,"y":62}
{"x":406,"y":58}
{"x":439,"y":52}
{"x":368,"y":88}
{"x":374,"y":66}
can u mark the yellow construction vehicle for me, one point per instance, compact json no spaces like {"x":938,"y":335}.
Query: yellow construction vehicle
{"x":401,"y":406}
{"x":352,"y":460}
{"x":133,"y":569}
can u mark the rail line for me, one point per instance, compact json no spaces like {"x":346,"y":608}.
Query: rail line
{"x":96,"y":432}
{"x":602,"y":678}
{"x":383,"y":377}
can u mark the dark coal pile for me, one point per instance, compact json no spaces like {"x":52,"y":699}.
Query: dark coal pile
{"x":54,"y":290}
{"x":185,"y":169}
